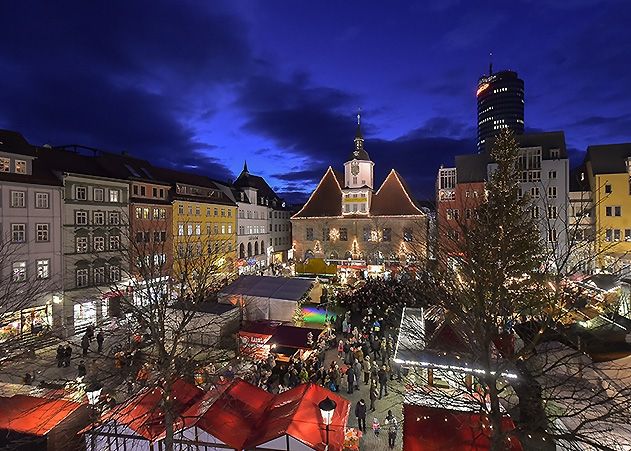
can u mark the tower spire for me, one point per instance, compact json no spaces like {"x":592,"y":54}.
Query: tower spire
{"x":245,"y":166}
{"x":490,"y":63}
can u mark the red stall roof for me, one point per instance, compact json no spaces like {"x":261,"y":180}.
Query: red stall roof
{"x":435,"y":429}
{"x":31,"y":415}
{"x":234,"y":414}
{"x":143,"y":413}
{"x":296,"y":413}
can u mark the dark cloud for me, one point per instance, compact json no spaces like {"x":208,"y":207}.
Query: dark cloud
{"x":119,"y":77}
{"x":307,"y":176}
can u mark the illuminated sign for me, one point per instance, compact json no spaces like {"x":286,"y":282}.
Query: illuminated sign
{"x":482,"y":88}
{"x":355,"y":199}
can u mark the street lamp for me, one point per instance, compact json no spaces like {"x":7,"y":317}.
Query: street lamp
{"x":327,"y":408}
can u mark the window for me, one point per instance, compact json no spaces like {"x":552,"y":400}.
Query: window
{"x":99,"y":195}
{"x":453,"y":235}
{"x":552,"y":192}
{"x":82,"y":277}
{"x":215,"y":211}
{"x":135,"y":190}
{"x":616,"y":234}
{"x":190,"y":210}
{"x":99,"y":275}
{"x":230,"y":213}
{"x":81,"y":193}
{"x":114,"y":195}
{"x":115,"y":242}
{"x":366,"y":233}
{"x":20,"y":167}
{"x":387,"y":234}
{"x":18,"y":199}
{"x":98,"y":218}
{"x":554,"y":153}
{"x":343,"y":234}
{"x":180,"y":209}
{"x":18,"y":233}
{"x":309,"y":234}
{"x":198,"y":211}
{"x":189,"y":229}
{"x":617,"y":211}
{"x":534,"y":212}
{"x":229,"y":228}
{"x":326,"y":234}
{"x":161,"y":191}
{"x":198,"y":229}
{"x":627,"y":234}
{"x":138,"y":213}
{"x":41,"y":233}
{"x":223,"y":212}
{"x":138,"y":237}
{"x":608,"y":188}
{"x":163,"y":236}
{"x":608,"y":235}
{"x":552,"y":235}
{"x":147,"y":236}
{"x":180,"y":229}
{"x":115,"y":273}
{"x":534,"y":192}
{"x":156,"y":213}
{"x":216,"y":229}
{"x":81,"y":244}
{"x":154,"y":192}
{"x":114,"y":218}
{"x":99,"y":243}
{"x":552,"y":174}
{"x":19,"y":272}
{"x":552,"y":212}
{"x":143,"y":191}
{"x":43,"y":269}
{"x":5,"y":164}
{"x":81,"y":217}
{"x":41,"y":200}
{"x":156,"y":237}
{"x":467,"y":213}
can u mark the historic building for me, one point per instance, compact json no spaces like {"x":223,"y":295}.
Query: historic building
{"x":345,"y":221}
{"x":30,"y":233}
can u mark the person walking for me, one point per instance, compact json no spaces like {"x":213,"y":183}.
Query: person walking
{"x":360,"y":414}
{"x":357,"y":369}
{"x":376,"y":427}
{"x":85,"y":344}
{"x":67,"y":355}
{"x":350,"y":379}
{"x":100,"y":338}
{"x":81,"y":369}
{"x":340,"y":349}
{"x":366,"y":369}
{"x":383,"y":381}
{"x":60,"y":356}
{"x":374,"y":393}
{"x":391,"y":424}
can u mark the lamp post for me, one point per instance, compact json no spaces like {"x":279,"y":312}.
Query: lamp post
{"x":327,"y":408}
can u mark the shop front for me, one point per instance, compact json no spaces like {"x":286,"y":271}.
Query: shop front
{"x":30,"y":321}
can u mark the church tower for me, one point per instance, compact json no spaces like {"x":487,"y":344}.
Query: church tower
{"x":358,"y":178}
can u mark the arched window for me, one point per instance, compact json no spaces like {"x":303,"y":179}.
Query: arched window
{"x":241,"y":250}
{"x":256,"y":248}
{"x":262,"y":247}
{"x":249,"y":249}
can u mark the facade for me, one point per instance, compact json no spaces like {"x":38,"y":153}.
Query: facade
{"x":609,"y":171}
{"x":345,"y":222}
{"x":30,"y":228}
{"x":581,"y":223}
{"x":544,"y":177}
{"x":500,"y":104}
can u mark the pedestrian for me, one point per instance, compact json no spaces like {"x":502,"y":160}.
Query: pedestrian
{"x":360,"y":414}
{"x":383,"y":381}
{"x":85,"y":344}
{"x":27,"y":379}
{"x":357,"y":369}
{"x":100,"y":338}
{"x":391,"y":424}
{"x":81,"y":369}
{"x":67,"y":355}
{"x":350,"y":378}
{"x":366,"y":369}
{"x":374,"y":393}
{"x":376,"y":427}
{"x":340,"y":349}
{"x":60,"y":355}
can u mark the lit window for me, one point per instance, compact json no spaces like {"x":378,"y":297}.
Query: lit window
{"x":5,"y":165}
{"x":19,"y":272}
{"x":20,"y":167}
{"x":43,"y":269}
{"x":18,"y":233}
{"x":114,"y":195}
{"x":18,"y":199}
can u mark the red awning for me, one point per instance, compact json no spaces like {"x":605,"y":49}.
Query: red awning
{"x":433,"y":429}
{"x":31,"y":415}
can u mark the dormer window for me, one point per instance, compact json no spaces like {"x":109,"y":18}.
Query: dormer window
{"x":20,"y":167}
{"x":5,"y":165}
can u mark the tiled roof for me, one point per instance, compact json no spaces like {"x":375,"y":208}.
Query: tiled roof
{"x":14,"y":142}
{"x":326,"y":200}
{"x":393,"y":198}
{"x":32,"y":415}
{"x":609,"y":158}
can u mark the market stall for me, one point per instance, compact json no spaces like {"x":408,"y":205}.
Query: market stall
{"x":258,"y":338}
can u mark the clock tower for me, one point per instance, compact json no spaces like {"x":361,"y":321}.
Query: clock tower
{"x":358,"y":178}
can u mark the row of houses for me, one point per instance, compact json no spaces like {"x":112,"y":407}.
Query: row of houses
{"x":584,"y":214}
{"x":75,"y":222}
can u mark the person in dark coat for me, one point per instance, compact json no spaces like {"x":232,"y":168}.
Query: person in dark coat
{"x":374,"y":394}
{"x":383,"y":381}
{"x":100,"y":338}
{"x":392,"y":426}
{"x":350,"y":378}
{"x":85,"y":344}
{"x":67,"y":355}
{"x":60,"y":356}
{"x":360,"y":414}
{"x":81,"y":369}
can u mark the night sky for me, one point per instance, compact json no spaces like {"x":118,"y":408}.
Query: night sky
{"x":204,"y":85}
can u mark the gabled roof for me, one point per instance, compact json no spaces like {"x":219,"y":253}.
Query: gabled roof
{"x":14,"y":142}
{"x":326,"y":199}
{"x":393,"y":198}
{"x":296,"y":413}
{"x":233,"y":415}
{"x":143,"y":413}
{"x":609,"y":158}
{"x":247,"y":180}
{"x":32,"y":415}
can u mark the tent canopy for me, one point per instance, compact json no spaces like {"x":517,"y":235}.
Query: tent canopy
{"x":290,"y":289}
{"x":32,"y":415}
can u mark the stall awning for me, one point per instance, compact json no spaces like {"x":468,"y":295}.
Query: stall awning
{"x":32,"y":415}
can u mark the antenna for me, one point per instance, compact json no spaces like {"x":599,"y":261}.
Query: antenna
{"x":490,"y":63}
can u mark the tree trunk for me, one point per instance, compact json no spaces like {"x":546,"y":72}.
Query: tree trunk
{"x":495,"y":417}
{"x":168,"y":419}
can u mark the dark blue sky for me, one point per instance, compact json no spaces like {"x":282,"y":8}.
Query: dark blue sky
{"x":205,"y":85}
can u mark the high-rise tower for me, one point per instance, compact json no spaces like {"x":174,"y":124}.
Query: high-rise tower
{"x":500,"y":104}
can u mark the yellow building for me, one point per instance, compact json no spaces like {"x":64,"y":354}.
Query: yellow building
{"x":609,"y":171}
{"x":204,"y":226}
